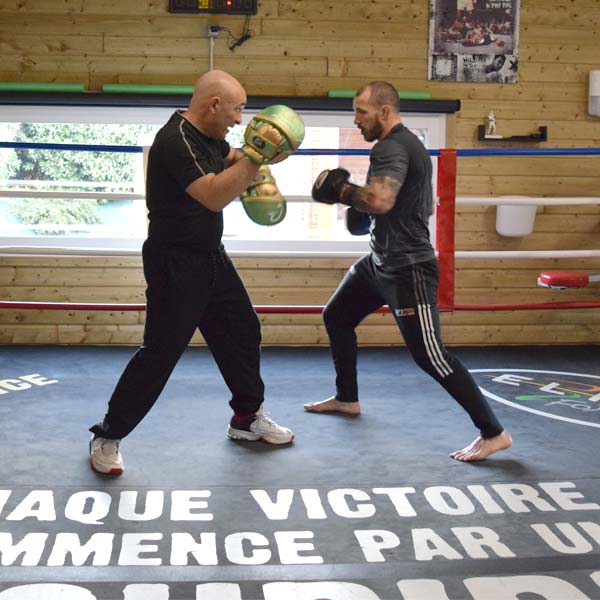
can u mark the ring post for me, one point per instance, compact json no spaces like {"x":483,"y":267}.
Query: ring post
{"x":446,"y":184}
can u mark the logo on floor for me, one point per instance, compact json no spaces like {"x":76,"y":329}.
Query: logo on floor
{"x":24,"y":382}
{"x":570,"y":397}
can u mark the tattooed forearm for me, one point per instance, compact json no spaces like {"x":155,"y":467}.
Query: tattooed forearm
{"x":378,"y":196}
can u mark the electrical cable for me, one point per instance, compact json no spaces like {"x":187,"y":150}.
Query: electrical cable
{"x":233,"y":41}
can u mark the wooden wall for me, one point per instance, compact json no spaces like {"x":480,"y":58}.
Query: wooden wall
{"x":306,"y":48}
{"x":280,"y":281}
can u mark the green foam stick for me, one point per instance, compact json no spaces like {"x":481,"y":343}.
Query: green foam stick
{"x":402,"y":95}
{"x":126,"y":88}
{"x":24,"y":86}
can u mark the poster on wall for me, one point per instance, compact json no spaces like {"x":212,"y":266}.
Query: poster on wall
{"x":474,"y":40}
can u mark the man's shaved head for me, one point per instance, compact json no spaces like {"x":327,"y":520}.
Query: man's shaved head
{"x":216,"y":83}
{"x":216,"y":104}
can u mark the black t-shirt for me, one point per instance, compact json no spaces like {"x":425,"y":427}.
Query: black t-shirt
{"x":400,"y":237}
{"x":179,"y":155}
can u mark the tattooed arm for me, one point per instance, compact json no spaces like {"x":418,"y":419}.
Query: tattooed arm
{"x":377,"y":197}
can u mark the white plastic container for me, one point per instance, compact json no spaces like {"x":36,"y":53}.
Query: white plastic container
{"x":515,"y":220}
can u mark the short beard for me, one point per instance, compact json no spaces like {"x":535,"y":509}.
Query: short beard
{"x":374,"y":133}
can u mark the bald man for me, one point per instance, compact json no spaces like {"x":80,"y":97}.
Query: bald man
{"x":193,"y":174}
{"x":401,"y":270}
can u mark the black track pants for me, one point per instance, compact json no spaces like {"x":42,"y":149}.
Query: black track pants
{"x":186,"y":291}
{"x":412,"y":298}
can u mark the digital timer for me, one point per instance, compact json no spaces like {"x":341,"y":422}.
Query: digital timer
{"x":222,"y":7}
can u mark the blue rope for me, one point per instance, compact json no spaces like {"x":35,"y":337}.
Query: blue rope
{"x":317,"y":151}
{"x":76,"y":147}
{"x":527,"y":152}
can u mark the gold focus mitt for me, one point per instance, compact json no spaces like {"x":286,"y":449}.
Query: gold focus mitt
{"x":262,"y":200}
{"x":273,"y":134}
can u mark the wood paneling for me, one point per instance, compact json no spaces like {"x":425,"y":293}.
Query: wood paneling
{"x":307,"y":48}
{"x":287,"y":281}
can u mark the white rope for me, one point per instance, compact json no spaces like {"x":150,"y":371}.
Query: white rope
{"x":459,"y":255}
{"x":525,"y":254}
{"x":465,"y":200}
{"x":526,"y":200}
{"x":79,"y":195}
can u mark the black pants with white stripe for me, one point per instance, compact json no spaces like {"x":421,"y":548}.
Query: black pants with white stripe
{"x":412,"y":298}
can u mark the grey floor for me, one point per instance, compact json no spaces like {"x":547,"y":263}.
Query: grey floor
{"x":360,"y":508}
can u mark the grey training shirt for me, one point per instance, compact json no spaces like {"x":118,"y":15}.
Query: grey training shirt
{"x":401,"y":236}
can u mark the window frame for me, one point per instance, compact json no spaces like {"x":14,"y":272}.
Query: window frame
{"x":158,"y":114}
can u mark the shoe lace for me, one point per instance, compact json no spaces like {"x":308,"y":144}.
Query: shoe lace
{"x":265,"y":419}
{"x":110,"y":446}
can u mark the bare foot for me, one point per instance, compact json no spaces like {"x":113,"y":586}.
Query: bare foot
{"x":333,"y":405}
{"x":481,"y":448}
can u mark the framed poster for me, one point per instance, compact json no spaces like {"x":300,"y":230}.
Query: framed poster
{"x":474,"y":40}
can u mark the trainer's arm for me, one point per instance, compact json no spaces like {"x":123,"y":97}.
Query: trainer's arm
{"x":216,"y":191}
{"x":233,"y":157}
{"x":378,"y":196}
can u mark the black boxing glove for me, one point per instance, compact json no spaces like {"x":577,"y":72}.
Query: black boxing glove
{"x":333,"y":186}
{"x":357,"y":223}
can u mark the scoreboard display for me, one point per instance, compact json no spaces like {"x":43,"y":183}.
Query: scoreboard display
{"x":222,"y":7}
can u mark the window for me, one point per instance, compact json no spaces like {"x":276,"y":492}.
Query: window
{"x":93,"y":201}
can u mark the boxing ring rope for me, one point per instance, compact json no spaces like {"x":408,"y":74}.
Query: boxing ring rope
{"x":292,"y":309}
{"x":446,"y":184}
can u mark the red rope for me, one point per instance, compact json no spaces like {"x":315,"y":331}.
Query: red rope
{"x":261,"y":309}
{"x":530,"y":306}
{"x":293,"y":309}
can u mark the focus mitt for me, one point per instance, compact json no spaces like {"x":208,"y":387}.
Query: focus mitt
{"x":262,"y":200}
{"x":273,"y":134}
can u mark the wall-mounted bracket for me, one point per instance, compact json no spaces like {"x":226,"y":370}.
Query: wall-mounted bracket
{"x":540,"y":136}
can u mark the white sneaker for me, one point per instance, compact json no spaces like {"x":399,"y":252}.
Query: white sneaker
{"x":105,"y":456}
{"x":259,"y":427}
